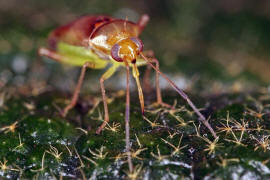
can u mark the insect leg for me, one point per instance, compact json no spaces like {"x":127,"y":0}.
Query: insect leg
{"x":105,"y":76}
{"x":77,"y":89}
{"x":158,"y":91}
{"x":127,"y":122}
{"x":183,"y":95}
{"x":136,"y":76}
{"x":72,"y":55}
{"x":62,"y":58}
{"x":146,"y":80}
{"x":51,"y":54}
{"x":146,"y":77}
{"x":142,"y":22}
{"x":150,"y":55}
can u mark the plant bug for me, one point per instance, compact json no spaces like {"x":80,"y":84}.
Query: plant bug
{"x":98,"y":41}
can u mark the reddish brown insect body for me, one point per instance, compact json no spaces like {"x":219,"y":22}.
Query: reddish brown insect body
{"x":97,"y":41}
{"x":77,"y":32}
{"x":101,"y":33}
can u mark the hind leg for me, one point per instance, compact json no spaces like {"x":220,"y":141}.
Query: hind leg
{"x":77,"y":90}
{"x":146,"y":80}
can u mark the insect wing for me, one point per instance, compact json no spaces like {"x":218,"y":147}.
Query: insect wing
{"x":78,"y":31}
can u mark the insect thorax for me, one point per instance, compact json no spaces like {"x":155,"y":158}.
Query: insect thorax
{"x":104,"y":37}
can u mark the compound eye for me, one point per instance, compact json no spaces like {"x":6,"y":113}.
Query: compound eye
{"x":115,"y":53}
{"x":138,"y":43}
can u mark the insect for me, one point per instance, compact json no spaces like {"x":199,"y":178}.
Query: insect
{"x":98,"y":42}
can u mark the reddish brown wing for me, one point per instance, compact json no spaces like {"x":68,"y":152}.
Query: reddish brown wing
{"x":78,"y":31}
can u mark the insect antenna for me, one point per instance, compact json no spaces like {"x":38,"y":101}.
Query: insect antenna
{"x":142,"y":22}
{"x":183,"y":95}
{"x":125,"y":23}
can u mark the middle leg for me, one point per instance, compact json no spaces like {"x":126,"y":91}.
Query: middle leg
{"x":105,"y":76}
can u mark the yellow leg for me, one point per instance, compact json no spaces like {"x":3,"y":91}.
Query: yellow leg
{"x":136,"y":76}
{"x":105,"y":76}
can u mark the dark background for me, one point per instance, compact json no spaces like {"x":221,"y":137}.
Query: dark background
{"x":208,"y":46}
{"x":218,"y":51}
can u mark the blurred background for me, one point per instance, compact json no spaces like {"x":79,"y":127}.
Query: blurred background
{"x":209,"y":46}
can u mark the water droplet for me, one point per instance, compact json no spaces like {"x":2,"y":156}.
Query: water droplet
{"x":19,"y":64}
